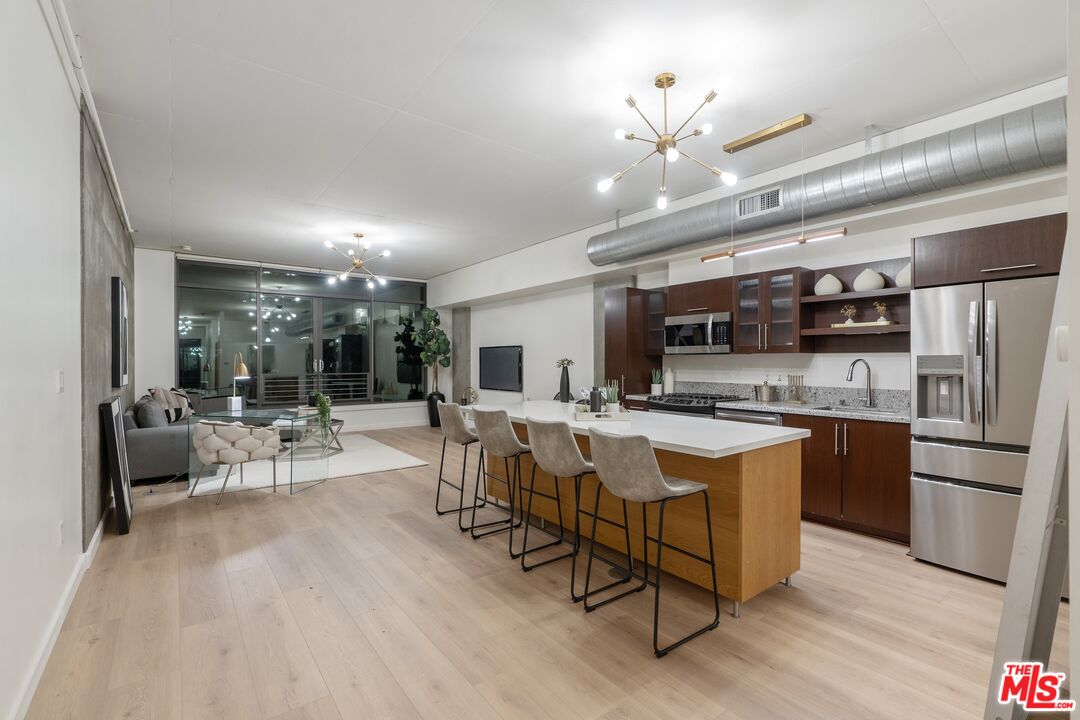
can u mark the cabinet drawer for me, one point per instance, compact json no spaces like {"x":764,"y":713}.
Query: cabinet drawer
{"x":1023,"y":248}
{"x":636,"y":405}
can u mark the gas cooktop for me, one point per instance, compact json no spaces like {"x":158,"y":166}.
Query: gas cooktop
{"x":689,"y":402}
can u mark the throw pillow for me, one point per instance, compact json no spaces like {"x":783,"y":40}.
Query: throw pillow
{"x":175,"y":403}
{"x":149,"y":414}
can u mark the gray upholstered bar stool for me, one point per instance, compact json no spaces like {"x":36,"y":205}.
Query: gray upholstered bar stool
{"x":497,"y":438}
{"x":455,"y":430}
{"x":556,"y":452}
{"x":627,"y":468}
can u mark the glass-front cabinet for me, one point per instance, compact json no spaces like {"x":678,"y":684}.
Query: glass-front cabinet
{"x":768,"y":312}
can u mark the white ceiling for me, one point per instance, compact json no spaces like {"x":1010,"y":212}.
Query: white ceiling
{"x":452,"y":132}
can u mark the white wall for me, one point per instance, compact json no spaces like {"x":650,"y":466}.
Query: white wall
{"x":155,"y":319}
{"x":40,"y":438}
{"x":548,"y":326}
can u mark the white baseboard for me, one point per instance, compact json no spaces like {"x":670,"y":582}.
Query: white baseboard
{"x":82,"y":564}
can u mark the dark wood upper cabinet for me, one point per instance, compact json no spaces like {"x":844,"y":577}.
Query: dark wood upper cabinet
{"x":877,"y":477}
{"x":768,"y":315}
{"x":633,"y":336}
{"x":705,"y":296}
{"x":1023,"y":248}
{"x":821,"y":466}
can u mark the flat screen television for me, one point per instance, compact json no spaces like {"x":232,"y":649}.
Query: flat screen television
{"x":500,"y":368}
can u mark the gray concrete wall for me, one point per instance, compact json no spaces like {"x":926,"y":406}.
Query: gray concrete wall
{"x":107,"y":250}
{"x":461,"y":351}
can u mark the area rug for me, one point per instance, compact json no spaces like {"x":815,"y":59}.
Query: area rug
{"x":362,"y":456}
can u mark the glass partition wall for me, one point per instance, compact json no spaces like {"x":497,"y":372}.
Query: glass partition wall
{"x":296,"y":334}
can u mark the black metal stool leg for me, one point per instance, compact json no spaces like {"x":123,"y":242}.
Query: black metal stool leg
{"x":460,"y":488}
{"x":661,"y":652}
{"x":557,"y":541}
{"x":592,"y":553}
{"x":497,"y":526}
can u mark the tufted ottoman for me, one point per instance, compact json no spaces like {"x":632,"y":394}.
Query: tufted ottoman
{"x":221,"y":443}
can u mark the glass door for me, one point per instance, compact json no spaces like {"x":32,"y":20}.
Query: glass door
{"x":781,"y":328}
{"x":344,"y":342}
{"x":748,"y":314}
{"x":286,"y":373}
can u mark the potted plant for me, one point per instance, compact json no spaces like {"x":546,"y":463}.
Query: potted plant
{"x":612,"y":392}
{"x":564,"y":380}
{"x":434,"y":353}
{"x":323,"y":403}
{"x":409,"y":364}
{"x":657,"y":387}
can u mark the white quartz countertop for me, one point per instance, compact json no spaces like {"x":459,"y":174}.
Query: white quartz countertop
{"x":703,"y":436}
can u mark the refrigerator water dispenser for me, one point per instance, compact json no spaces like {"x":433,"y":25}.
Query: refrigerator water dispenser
{"x":940,"y":391}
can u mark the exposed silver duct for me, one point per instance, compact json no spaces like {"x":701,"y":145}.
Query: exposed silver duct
{"x":1009,"y":144}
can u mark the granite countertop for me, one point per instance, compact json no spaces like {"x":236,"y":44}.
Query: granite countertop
{"x":900,"y":415}
{"x":702,"y":436}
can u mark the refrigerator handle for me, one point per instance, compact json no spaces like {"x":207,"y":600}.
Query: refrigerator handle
{"x":971,"y":380}
{"x":990,"y":362}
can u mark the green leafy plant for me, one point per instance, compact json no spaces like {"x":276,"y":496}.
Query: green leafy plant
{"x":564,"y":362}
{"x":657,"y":376}
{"x":323,"y":403}
{"x":409,"y":361}
{"x":612,"y":391}
{"x":434,"y":345}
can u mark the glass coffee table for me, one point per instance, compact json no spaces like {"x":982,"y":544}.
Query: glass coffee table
{"x":302,"y":463}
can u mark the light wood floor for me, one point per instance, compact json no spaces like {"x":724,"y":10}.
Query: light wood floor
{"x":352,"y":600}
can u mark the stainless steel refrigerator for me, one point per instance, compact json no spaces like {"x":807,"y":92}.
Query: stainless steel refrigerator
{"x":976,"y":361}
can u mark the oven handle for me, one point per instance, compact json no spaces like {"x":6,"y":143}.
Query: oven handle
{"x":748,"y":416}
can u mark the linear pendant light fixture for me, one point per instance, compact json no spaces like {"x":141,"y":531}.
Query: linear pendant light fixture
{"x":773,"y":131}
{"x":800,"y":239}
{"x":358,"y":262}
{"x":665,"y":142}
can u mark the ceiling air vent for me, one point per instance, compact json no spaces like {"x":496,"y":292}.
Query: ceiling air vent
{"x":760,"y":202}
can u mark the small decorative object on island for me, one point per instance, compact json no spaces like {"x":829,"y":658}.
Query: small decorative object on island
{"x":656,"y":387}
{"x":469,"y":396}
{"x":828,"y":285}
{"x":564,"y":379}
{"x":612,"y":392}
{"x":848,"y":311}
{"x":434,"y":353}
{"x":868,"y":280}
{"x":881,"y":310}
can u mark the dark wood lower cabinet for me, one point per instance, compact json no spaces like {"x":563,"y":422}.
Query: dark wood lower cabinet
{"x":821,"y":466}
{"x":857,"y":474}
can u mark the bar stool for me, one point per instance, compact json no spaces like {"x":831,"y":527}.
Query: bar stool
{"x":497,"y":438}
{"x":454,"y":429}
{"x":556,"y":452}
{"x":627,"y":468}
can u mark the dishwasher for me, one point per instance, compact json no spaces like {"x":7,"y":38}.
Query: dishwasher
{"x":748,"y":416}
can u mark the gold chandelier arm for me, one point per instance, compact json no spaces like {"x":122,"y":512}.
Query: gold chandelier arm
{"x":708,"y":99}
{"x":341,"y":252}
{"x":635,"y":164}
{"x":663,"y":175}
{"x":646,"y":120}
{"x":710,"y":168}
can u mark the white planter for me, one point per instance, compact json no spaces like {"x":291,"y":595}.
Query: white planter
{"x":656,"y":389}
{"x":612,"y":407}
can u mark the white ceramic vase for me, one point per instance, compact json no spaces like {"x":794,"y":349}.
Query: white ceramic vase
{"x":868,"y":280}
{"x":669,"y":381}
{"x":903,"y":278}
{"x":828,"y":285}
{"x":656,"y":389}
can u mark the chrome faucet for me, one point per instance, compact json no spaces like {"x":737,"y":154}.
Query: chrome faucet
{"x":851,"y":374}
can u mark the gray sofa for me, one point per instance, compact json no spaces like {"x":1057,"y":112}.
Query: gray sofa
{"x":159,"y":451}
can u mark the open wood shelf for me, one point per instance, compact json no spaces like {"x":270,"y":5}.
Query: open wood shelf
{"x":840,"y":297}
{"x":859,"y":330}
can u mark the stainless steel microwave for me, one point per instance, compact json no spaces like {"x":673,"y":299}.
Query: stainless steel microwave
{"x":697,"y":334}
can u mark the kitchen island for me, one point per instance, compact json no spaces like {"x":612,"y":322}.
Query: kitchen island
{"x":754,"y":478}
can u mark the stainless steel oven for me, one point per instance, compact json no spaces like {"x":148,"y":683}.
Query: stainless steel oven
{"x":697,"y":334}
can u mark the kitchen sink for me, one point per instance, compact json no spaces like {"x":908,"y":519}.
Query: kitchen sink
{"x":857,"y":408}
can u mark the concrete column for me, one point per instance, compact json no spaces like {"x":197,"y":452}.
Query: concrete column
{"x":460,"y":351}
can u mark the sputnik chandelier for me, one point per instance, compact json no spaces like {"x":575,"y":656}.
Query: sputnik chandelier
{"x":358,"y":261}
{"x":666,"y":142}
